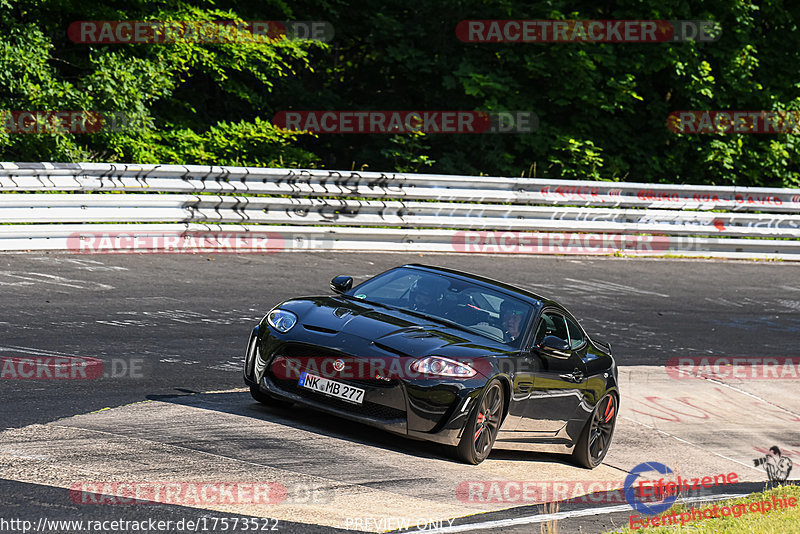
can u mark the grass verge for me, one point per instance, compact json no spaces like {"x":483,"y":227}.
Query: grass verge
{"x":751,"y":519}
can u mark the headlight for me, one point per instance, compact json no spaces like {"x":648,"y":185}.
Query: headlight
{"x":437,"y":365}
{"x":281,"y":320}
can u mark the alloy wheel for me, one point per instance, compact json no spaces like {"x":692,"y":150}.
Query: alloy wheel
{"x":488,"y":421}
{"x":602,"y":428}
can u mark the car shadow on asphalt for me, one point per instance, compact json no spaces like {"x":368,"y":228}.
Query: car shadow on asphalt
{"x":310,"y":420}
{"x":513,"y":455}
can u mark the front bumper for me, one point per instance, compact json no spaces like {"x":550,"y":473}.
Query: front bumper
{"x":372,"y":411}
{"x":427,"y":409}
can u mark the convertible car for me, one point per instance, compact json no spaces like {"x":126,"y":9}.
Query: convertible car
{"x":444,"y":356}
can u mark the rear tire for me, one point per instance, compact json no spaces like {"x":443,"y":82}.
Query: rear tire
{"x":265,"y":399}
{"x":595,"y":439}
{"x":482,"y":425}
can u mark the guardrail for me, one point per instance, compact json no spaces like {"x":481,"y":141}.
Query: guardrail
{"x":236,"y":209}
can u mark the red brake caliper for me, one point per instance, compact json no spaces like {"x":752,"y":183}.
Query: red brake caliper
{"x":481,"y":419}
{"x":609,"y":409}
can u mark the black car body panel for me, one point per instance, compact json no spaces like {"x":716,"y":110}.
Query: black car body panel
{"x":548,"y":398}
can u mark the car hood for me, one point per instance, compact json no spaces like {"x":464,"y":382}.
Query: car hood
{"x":397,"y":331}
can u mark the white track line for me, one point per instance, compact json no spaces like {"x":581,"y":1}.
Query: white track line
{"x":738,"y":390}
{"x":701,"y":447}
{"x":36,"y":352}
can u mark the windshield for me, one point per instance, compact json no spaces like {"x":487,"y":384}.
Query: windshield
{"x":484,"y":311}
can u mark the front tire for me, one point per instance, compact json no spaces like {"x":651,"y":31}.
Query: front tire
{"x":595,"y":439}
{"x":265,"y":399}
{"x":482,"y":425}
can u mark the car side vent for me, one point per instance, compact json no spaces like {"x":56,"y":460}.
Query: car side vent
{"x":418,"y":335}
{"x":320,"y":329}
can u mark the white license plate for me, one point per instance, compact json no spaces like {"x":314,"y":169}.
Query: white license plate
{"x":332,"y":388}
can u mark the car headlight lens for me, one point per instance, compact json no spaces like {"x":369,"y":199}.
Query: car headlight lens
{"x":439,"y":366}
{"x":281,"y":320}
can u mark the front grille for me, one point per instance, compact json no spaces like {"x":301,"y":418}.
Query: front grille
{"x":302,"y":352}
{"x":369,"y":409}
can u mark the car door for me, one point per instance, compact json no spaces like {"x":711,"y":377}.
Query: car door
{"x":558,"y":374}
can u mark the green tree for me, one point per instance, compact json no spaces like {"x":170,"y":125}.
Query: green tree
{"x":192,"y":103}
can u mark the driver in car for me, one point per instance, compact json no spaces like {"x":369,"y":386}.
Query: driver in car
{"x":511,"y":315}
{"x":426,"y":296}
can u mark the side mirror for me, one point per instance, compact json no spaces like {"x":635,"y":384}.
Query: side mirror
{"x":554,"y":346}
{"x":342,"y":283}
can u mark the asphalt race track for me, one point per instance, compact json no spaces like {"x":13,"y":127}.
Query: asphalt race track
{"x":169,"y":406}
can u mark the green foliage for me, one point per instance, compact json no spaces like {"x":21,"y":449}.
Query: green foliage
{"x":602,"y":107}
{"x":406,"y":152}
{"x":204,"y":102}
{"x":579,"y":160}
{"x":750,"y":519}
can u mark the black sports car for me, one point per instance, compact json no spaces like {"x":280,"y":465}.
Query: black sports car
{"x":444,"y":356}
